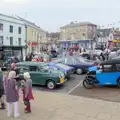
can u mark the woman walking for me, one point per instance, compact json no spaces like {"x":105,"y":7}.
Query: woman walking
{"x":27,"y":92}
{"x":12,"y":95}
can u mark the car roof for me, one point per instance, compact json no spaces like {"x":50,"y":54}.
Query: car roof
{"x":116,"y":61}
{"x":32,"y":63}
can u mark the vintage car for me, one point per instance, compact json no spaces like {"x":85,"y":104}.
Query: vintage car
{"x":79,"y":66}
{"x":107,"y":74}
{"x":66,"y":69}
{"x":42,"y":74}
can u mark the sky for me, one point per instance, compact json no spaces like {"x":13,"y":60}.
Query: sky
{"x":50,"y":15}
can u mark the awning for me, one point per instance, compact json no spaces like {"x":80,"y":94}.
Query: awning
{"x":32,"y":43}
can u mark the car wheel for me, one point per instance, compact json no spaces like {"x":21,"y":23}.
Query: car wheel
{"x":51,"y":84}
{"x":118,"y":83}
{"x":87,"y":84}
{"x":79,"y":71}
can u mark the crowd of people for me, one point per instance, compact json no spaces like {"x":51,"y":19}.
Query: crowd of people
{"x":10,"y":86}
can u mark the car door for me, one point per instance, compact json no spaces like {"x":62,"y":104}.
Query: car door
{"x":35,"y":75}
{"x":38,"y":75}
{"x":108,"y":75}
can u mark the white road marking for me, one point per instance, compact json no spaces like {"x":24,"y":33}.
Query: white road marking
{"x":75,"y":87}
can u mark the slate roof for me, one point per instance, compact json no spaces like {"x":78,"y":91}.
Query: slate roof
{"x":72,"y":24}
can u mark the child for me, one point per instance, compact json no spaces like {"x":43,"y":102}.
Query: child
{"x":27,"y":92}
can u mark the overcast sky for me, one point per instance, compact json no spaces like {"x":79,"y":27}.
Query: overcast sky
{"x":51,"y":14}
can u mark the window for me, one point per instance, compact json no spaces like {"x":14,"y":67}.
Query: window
{"x":1,"y":40}
{"x":109,"y":68}
{"x":34,"y":68}
{"x":118,"y":67}
{"x":19,"y":41}
{"x":11,"y":41}
{"x":1,"y":27}
{"x":19,"y":30}
{"x":11,"y":29}
{"x":83,"y":34}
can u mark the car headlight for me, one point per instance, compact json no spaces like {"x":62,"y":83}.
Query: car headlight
{"x":65,"y":73}
{"x":59,"y":76}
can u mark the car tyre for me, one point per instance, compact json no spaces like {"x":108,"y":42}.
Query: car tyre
{"x":79,"y":71}
{"x":118,"y":83}
{"x":87,"y":85}
{"x":51,"y":85}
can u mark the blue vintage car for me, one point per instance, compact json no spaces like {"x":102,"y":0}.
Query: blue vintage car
{"x":79,"y":66}
{"x":108,"y":74}
{"x":66,"y":69}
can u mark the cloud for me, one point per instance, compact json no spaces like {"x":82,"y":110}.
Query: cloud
{"x":15,"y":1}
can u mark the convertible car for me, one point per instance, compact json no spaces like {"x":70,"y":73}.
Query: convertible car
{"x":107,"y":74}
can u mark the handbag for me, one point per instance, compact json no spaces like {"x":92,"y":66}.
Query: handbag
{"x":26,"y":102}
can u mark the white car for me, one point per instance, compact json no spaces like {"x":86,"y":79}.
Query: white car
{"x":97,"y":52}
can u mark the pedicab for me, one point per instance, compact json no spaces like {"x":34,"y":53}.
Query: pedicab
{"x":108,"y":73}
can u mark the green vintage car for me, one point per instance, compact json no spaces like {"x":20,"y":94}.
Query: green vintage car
{"x":42,"y":74}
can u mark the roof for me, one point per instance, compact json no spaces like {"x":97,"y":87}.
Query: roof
{"x":32,"y":63}
{"x":72,"y":24}
{"x":30,"y":23}
{"x":104,"y":32}
{"x":116,"y":61}
{"x":13,"y":17}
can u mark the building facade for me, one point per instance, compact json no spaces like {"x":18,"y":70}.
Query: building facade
{"x":36,"y":37}
{"x":53,"y":40}
{"x":12,"y":36}
{"x":103,"y":37}
{"x":78,"y":33}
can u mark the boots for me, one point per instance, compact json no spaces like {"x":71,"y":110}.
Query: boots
{"x":28,"y":109}
{"x":2,"y":106}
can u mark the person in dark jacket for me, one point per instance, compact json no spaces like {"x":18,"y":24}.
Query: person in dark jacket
{"x":1,"y":91}
{"x":102,"y":57}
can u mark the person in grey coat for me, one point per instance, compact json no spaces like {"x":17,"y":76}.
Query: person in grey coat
{"x":1,"y":91}
{"x":12,"y":94}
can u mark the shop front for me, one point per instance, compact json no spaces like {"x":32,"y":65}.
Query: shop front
{"x":32,"y":47}
{"x":116,"y":43}
{"x":73,"y":43}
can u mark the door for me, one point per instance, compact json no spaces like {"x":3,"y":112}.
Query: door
{"x":35,"y":74}
{"x":108,"y":76}
{"x":38,"y":76}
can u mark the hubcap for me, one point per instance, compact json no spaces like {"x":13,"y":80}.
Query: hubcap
{"x":79,"y":71}
{"x":50,"y":85}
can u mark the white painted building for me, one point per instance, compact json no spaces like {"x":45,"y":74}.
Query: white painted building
{"x":12,"y":36}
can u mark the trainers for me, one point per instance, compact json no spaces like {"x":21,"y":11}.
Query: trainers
{"x":26,"y":111}
{"x":2,"y":106}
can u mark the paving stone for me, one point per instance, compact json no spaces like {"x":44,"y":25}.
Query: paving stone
{"x":79,"y":117}
{"x":104,"y":116}
{"x":91,"y":118}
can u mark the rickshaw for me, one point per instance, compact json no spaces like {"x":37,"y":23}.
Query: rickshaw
{"x":108,"y":73}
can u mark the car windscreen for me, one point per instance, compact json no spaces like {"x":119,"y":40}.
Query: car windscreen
{"x":48,"y":68}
